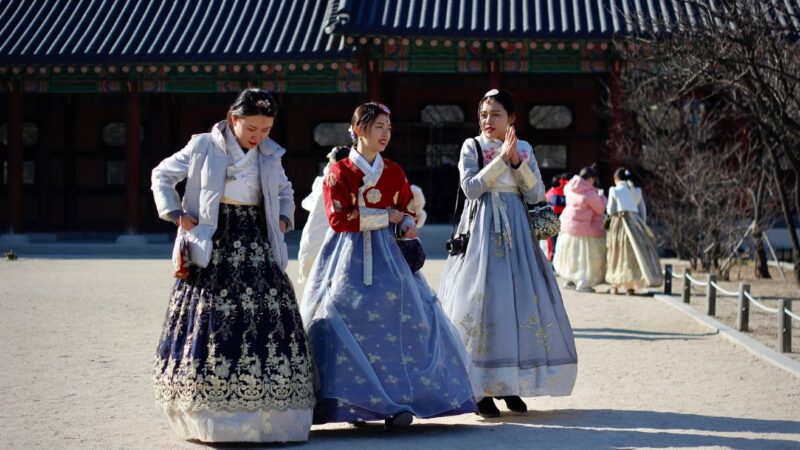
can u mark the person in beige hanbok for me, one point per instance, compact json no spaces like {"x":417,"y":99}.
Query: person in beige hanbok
{"x":632,"y":256}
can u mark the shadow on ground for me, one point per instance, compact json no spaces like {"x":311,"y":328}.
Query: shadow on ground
{"x":621,"y":334}
{"x":597,"y":429}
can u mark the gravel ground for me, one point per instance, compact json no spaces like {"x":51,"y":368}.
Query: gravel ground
{"x":77,"y":338}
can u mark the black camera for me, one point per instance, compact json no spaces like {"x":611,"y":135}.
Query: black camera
{"x":457,"y":245}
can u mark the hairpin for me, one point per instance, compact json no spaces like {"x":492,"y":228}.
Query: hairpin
{"x":263,"y":104}
{"x":627,"y":173}
{"x":491,"y":93}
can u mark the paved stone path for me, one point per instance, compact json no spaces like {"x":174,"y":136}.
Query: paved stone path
{"x":77,"y":337}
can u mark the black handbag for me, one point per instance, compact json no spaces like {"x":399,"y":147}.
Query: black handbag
{"x":411,"y":249}
{"x":457,"y":245}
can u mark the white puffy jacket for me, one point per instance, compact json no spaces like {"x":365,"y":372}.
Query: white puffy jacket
{"x":203,"y":163}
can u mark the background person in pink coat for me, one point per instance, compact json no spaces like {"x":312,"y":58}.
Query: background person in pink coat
{"x":581,"y":247}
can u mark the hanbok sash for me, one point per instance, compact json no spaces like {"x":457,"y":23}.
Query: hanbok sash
{"x":502,"y":224}
{"x":372,"y":173}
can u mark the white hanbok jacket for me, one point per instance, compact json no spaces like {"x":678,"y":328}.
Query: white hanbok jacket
{"x":203,"y":163}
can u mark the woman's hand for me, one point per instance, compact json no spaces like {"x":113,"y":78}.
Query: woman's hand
{"x":395,"y":216}
{"x":187,"y":222}
{"x":409,"y":230}
{"x":508,"y":151}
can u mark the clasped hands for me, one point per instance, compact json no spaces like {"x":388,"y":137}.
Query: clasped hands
{"x":408,"y":229}
{"x":508,"y":151}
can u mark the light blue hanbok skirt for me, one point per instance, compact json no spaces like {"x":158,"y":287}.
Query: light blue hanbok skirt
{"x":503,"y":298}
{"x":381,"y":349}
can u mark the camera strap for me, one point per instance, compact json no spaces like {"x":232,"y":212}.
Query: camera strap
{"x":461,"y":198}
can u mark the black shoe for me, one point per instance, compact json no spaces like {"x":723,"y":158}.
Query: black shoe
{"x":487,"y":408}
{"x":515,"y":403}
{"x":402,"y":419}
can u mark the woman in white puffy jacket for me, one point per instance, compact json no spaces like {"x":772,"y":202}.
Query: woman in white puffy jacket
{"x":233,"y":362}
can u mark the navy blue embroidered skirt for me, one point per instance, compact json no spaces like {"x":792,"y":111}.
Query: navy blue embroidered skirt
{"x":233,"y":337}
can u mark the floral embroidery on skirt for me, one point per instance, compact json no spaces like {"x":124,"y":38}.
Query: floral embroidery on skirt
{"x":232,"y":337}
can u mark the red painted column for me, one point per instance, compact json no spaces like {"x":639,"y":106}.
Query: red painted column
{"x":373,"y":81}
{"x":615,"y":138}
{"x":133,"y":157}
{"x":494,"y":74}
{"x":15,"y":159}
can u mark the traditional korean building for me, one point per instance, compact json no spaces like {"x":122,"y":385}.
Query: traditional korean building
{"x":95,"y":93}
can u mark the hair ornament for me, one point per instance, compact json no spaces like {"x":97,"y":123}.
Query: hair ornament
{"x":352,"y":133}
{"x":384,"y":109}
{"x":491,"y":93}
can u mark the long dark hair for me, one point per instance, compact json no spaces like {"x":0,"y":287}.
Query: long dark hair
{"x":252,"y":102}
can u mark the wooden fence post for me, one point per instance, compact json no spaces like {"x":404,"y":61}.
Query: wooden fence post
{"x":668,"y":279}
{"x":743,"y":318}
{"x":711,"y":296}
{"x":687,"y":286}
{"x":784,"y":327}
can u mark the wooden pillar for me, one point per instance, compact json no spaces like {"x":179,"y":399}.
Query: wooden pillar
{"x":668,"y":279}
{"x":784,"y":326}
{"x":494,"y":74}
{"x":711,"y":295}
{"x":160,"y":121}
{"x":70,"y":164}
{"x":615,"y":124}
{"x":743,"y":316}
{"x":133,"y":156}
{"x":15,"y":158}
{"x":47,"y":143}
{"x":687,"y":286}
{"x":373,"y":81}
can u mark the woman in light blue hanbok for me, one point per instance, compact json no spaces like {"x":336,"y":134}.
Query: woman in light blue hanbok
{"x":501,"y":293}
{"x":382,"y":346}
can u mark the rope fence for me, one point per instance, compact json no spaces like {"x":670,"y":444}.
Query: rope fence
{"x":745,"y":299}
{"x":697,"y":282}
{"x":726,"y":293}
{"x":760,"y":305}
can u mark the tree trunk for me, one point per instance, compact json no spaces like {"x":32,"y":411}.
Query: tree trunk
{"x":787,"y":212}
{"x":793,"y":230}
{"x":761,"y":267}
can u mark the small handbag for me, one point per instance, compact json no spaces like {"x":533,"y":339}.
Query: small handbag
{"x":457,"y":244}
{"x":544,"y":221}
{"x":412,"y":251}
{"x":181,"y":259}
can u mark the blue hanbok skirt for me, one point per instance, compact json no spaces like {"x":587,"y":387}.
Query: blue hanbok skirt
{"x":383,"y":348}
{"x":503,"y":298}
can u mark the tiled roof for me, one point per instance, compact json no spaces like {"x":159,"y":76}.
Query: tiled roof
{"x":517,"y":19}
{"x":131,"y":31}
